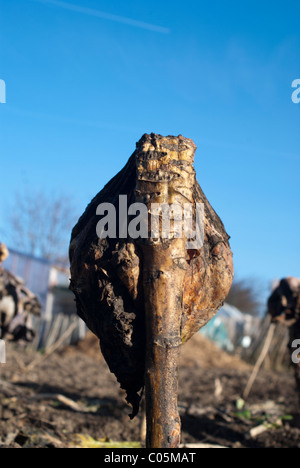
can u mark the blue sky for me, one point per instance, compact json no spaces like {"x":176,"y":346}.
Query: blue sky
{"x":86,"y":79}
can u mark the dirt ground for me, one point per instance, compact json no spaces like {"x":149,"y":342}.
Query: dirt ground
{"x":71,"y":399}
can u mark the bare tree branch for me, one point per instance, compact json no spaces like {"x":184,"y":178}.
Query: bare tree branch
{"x":39,"y":223}
{"x":245,"y":295}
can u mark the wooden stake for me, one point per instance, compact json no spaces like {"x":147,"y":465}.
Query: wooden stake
{"x":260,"y":361}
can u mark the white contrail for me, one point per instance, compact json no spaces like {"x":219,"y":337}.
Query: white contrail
{"x":107,"y":16}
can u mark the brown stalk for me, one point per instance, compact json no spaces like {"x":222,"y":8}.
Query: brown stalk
{"x":163,"y":286}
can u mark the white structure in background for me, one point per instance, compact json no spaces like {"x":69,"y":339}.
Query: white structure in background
{"x":49,"y":282}
{"x":58,"y":277}
{"x":231,"y":328}
{"x":34,"y":272}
